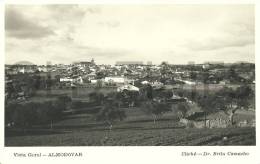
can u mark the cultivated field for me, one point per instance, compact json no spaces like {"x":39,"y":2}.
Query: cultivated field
{"x":82,"y":130}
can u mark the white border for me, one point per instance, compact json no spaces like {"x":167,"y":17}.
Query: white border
{"x":130,"y":155}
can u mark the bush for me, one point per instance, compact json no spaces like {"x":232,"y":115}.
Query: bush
{"x":155,"y":108}
{"x":32,"y":113}
{"x":110,"y":113}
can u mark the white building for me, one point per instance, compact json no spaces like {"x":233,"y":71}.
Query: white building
{"x":144,"y":82}
{"x":93,"y":81}
{"x":66,"y":79}
{"x":127,"y":87}
{"x":116,"y":79}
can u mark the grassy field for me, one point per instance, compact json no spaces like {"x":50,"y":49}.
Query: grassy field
{"x":137,"y":130}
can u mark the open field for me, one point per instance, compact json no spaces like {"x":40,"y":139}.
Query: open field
{"x":136,"y":136}
{"x":82,"y":130}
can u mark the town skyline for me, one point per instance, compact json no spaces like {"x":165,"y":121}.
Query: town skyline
{"x":24,"y":62}
{"x":109,"y":33}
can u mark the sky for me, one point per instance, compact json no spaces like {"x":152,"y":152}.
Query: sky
{"x":177,"y":34}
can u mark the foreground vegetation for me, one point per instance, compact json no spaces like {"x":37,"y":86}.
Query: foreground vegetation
{"x":137,"y":130}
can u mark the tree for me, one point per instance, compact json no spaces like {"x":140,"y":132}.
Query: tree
{"x":207,"y":104}
{"x":193,"y":75}
{"x":35,"y":113}
{"x":99,"y":84}
{"x":10,"y":90}
{"x":54,"y":111}
{"x":164,"y":69}
{"x":48,"y":82}
{"x":36,"y":82}
{"x":155,"y":109}
{"x":19,"y":118}
{"x":127,"y":97}
{"x":10,"y":109}
{"x":230,"y":100}
{"x":232,"y":74}
{"x":96,"y":97}
{"x":149,"y":92}
{"x":100,"y":75}
{"x":181,"y":108}
{"x":205,"y":77}
{"x":23,"y":115}
{"x":110,"y":113}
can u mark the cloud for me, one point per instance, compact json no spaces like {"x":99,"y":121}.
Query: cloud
{"x":233,"y":35}
{"x":176,"y":33}
{"x":18,"y":26}
{"x":219,"y":43}
{"x":102,"y":52}
{"x":66,"y":13}
{"x":109,"y":24}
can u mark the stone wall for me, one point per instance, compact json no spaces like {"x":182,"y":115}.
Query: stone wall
{"x":215,"y":123}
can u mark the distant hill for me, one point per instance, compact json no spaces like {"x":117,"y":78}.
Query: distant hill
{"x":23,"y":63}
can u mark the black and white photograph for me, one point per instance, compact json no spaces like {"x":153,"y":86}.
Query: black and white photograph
{"x":129,"y":75}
